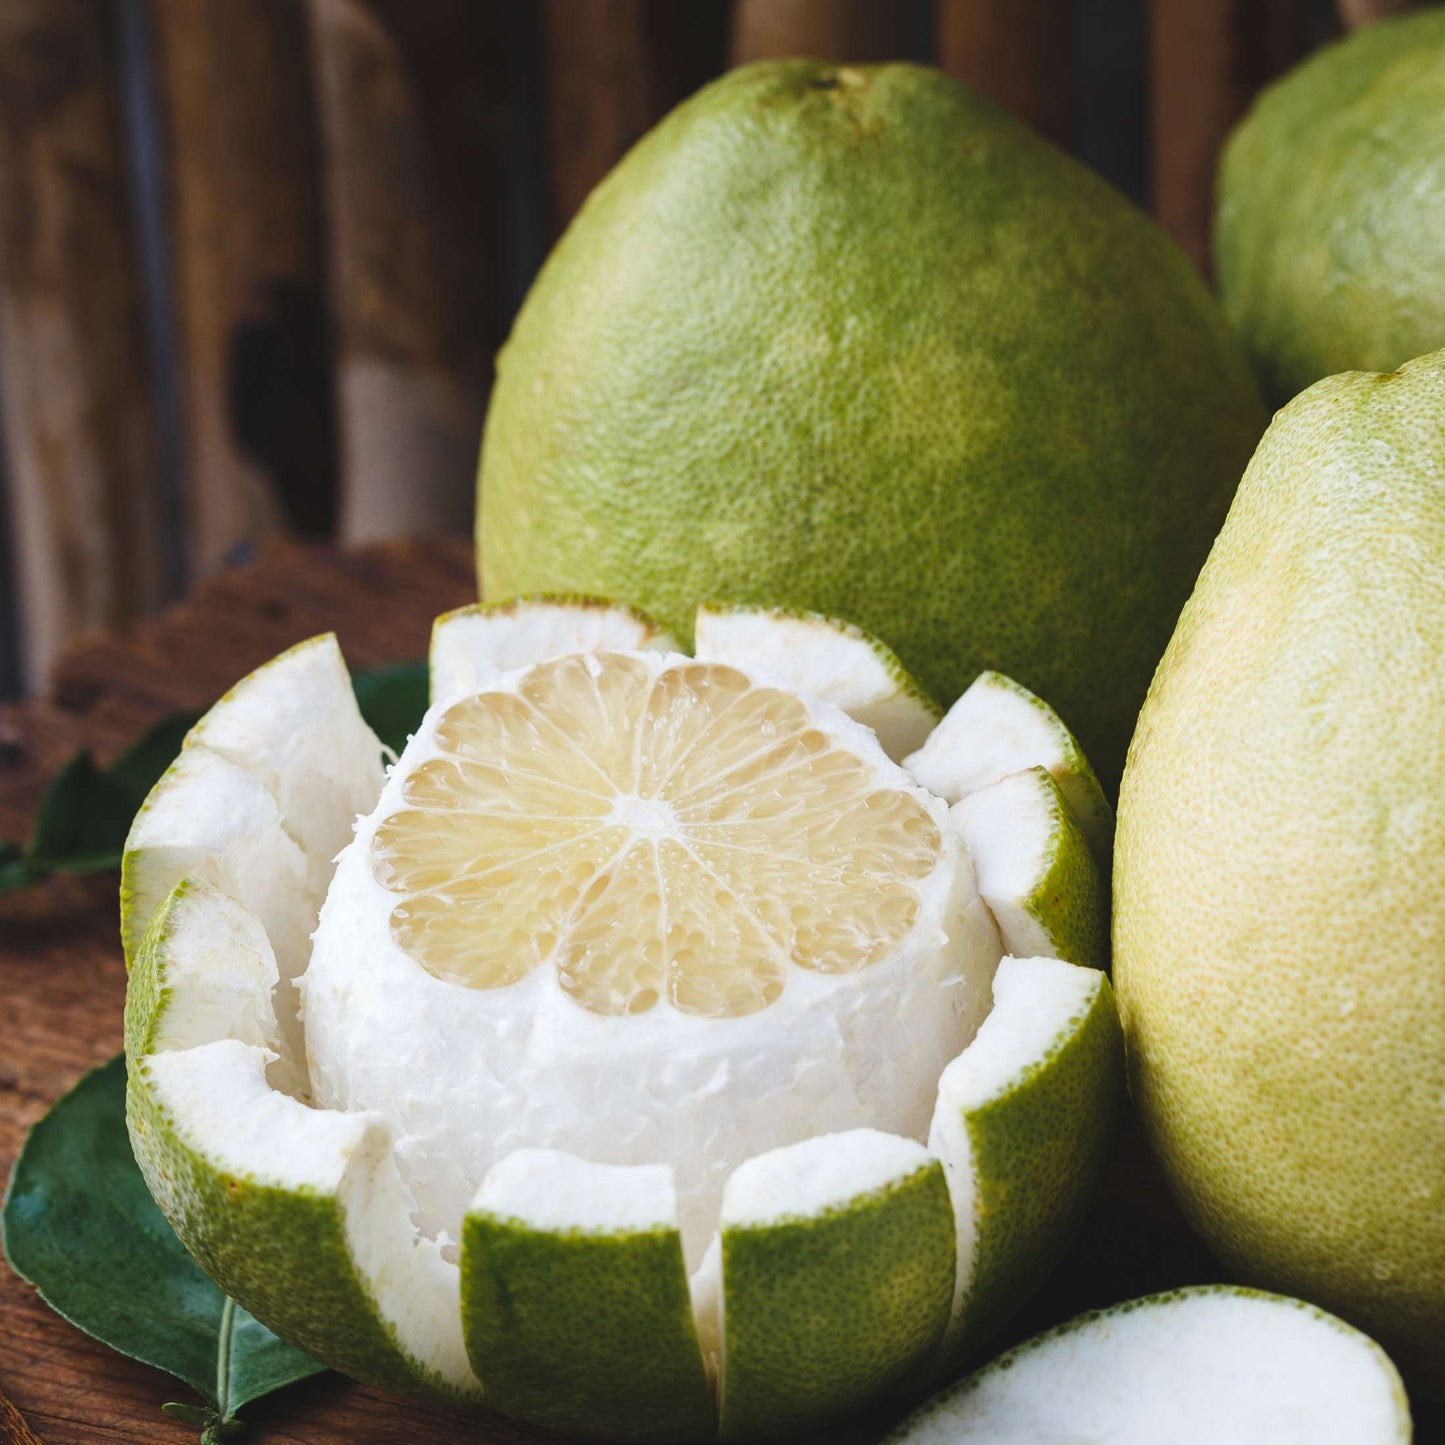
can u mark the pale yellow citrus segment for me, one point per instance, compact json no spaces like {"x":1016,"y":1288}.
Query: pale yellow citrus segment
{"x":653,"y":833}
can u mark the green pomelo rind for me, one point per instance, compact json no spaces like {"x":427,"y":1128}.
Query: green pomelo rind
{"x":857,"y":342}
{"x":940,"y":1419}
{"x":1038,"y":1148}
{"x":1279,"y":931}
{"x":826,"y":1312}
{"x":1330,"y":223}
{"x":980,"y":741}
{"x":584,"y":1331}
{"x":281,"y":1253}
{"x":1065,"y":900}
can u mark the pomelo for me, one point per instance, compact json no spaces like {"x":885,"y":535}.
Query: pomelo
{"x":854,"y":340}
{"x":1207,"y":1366}
{"x":1330,"y":229}
{"x":646,"y":1062}
{"x":1279,"y":885}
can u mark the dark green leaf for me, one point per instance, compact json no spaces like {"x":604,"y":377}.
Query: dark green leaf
{"x":81,"y":1226}
{"x":85,"y":813}
{"x":392,"y":700}
{"x":82,"y":820}
{"x":15,"y":870}
{"x":138,"y":769}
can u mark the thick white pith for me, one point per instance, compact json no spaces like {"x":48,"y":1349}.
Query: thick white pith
{"x":832,"y":1051}
{"x":670,"y":1113}
{"x":1008,"y":827}
{"x":473,"y":646}
{"x":997,"y":728}
{"x":1197,"y":1368}
{"x":825,"y":660}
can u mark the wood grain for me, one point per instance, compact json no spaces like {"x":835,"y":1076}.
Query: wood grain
{"x":77,"y":419}
{"x":412,"y":180}
{"x":858,"y":31}
{"x":1207,"y":60}
{"x":1017,"y":52}
{"x":246,"y":239}
{"x":611,"y":69}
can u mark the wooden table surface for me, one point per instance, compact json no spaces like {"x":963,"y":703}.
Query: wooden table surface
{"x":62,"y":981}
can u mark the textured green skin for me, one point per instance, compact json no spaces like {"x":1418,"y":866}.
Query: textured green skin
{"x":1069,"y":903}
{"x":1330,"y":230}
{"x":942,"y":1406}
{"x":875,"y":351}
{"x":1279,"y":943}
{"x":825,"y":1313}
{"x":1039,"y":1151}
{"x":591,"y":1333}
{"x":281,"y":1253}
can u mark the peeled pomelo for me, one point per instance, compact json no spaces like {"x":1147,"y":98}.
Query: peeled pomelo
{"x":1279,"y":927}
{"x":657,"y":1071}
{"x":1195,"y":1367}
{"x":853,"y":340}
{"x":1329,"y":236}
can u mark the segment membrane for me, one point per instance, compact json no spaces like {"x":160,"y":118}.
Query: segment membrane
{"x":672,"y":835}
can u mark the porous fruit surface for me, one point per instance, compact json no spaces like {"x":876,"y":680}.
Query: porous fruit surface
{"x":612,"y":853}
{"x":855,"y":341}
{"x":1279,"y":946}
{"x":1330,"y":233}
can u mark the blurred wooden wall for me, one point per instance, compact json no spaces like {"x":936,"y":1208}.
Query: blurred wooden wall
{"x":256,"y":256}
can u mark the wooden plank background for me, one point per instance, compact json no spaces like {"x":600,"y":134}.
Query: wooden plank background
{"x":256,"y":256}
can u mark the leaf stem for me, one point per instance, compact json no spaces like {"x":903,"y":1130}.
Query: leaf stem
{"x":223,"y":1358}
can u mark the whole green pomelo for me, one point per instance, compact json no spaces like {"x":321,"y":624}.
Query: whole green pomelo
{"x":1330,"y":226}
{"x":855,"y":340}
{"x":1279,"y":888}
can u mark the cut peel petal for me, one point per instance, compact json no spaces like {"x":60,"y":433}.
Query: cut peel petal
{"x":1194,"y":1367}
{"x":836,"y":1262}
{"x":471,"y":647}
{"x":209,"y":821}
{"x":264,"y":793}
{"x":1025,"y":1120}
{"x":575,"y":1299}
{"x":827,"y":659}
{"x":1035,"y":870}
{"x":298,"y":1213}
{"x":219,"y":978}
{"x":294,"y":726}
{"x":998,"y":727}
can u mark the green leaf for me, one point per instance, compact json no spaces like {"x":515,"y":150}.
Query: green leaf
{"x":138,"y":769}
{"x":85,"y":813}
{"x":392,"y":700}
{"x":81,"y":1226}
{"x":82,"y":820}
{"x":15,"y":869}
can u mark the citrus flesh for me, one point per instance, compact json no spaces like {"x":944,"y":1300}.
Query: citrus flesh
{"x":675,"y":835}
{"x":853,"y":340}
{"x":697,"y":1078}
